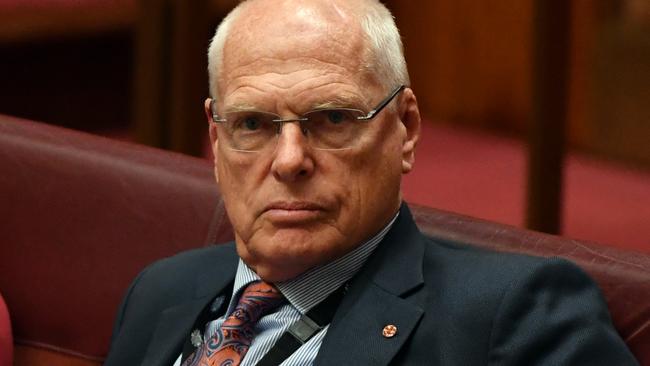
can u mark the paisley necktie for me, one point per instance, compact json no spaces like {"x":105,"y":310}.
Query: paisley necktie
{"x":230,"y":343}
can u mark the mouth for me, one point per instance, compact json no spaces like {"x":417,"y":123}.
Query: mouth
{"x":285,"y":213}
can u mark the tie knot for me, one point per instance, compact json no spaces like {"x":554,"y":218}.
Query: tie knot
{"x":258,"y":299}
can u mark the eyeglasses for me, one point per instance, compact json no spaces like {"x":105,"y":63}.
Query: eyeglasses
{"x":325,"y":129}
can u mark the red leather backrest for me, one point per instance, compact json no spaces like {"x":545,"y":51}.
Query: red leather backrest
{"x":623,"y":276}
{"x":81,"y":215}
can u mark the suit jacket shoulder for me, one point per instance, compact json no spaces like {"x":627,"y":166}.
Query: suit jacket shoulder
{"x":454,"y":304}
{"x":521,"y":310}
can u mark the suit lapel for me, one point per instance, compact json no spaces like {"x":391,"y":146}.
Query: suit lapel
{"x":357,"y":339}
{"x":385,"y":292}
{"x":175,"y":323}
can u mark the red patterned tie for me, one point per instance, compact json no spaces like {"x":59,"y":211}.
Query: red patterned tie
{"x":229,"y":344}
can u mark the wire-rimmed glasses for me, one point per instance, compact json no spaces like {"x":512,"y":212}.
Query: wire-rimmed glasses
{"x":325,"y":129}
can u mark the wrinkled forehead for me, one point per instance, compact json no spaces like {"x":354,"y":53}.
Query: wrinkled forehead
{"x":325,"y":31}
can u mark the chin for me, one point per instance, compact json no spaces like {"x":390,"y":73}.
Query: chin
{"x":275,"y":275}
{"x":288,"y":253}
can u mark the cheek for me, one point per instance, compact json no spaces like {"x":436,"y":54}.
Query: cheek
{"x":237,"y":185}
{"x":369,"y":187}
{"x":378,"y":177}
{"x":378,"y":182}
{"x":381,"y":162}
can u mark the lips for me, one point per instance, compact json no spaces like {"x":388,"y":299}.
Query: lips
{"x":292,"y":212}
{"x":292,"y":205}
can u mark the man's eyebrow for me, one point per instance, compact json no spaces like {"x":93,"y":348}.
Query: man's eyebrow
{"x":340,"y":102}
{"x":334,"y":102}
{"x":241,"y":107}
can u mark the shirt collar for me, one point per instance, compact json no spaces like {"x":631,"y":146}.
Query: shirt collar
{"x":310,"y":288}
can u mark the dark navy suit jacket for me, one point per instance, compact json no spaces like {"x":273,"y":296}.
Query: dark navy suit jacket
{"x":452,"y":305}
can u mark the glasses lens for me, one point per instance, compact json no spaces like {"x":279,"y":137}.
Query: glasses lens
{"x":249,"y":131}
{"x":332,"y":129}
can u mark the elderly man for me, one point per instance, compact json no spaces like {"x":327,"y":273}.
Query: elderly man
{"x":312,"y":124}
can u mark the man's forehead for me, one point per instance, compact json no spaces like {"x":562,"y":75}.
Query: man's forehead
{"x":267,"y":25}
{"x":282,"y":39}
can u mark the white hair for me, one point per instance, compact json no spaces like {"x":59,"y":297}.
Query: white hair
{"x":215,"y":51}
{"x":384,"y":55}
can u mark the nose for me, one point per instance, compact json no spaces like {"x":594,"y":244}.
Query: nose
{"x":292,"y":159}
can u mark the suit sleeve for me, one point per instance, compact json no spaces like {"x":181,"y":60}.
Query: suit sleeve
{"x":554,"y":314}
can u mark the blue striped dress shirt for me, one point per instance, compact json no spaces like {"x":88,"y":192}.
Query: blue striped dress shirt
{"x":303,"y":293}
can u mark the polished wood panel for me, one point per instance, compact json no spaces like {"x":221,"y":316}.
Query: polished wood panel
{"x":189,"y":78}
{"x":546,"y":141}
{"x":171,"y":79}
{"x":150,"y":78}
{"x":470,"y":62}
{"x":45,"y":20}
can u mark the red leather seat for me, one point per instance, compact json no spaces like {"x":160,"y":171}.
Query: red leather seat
{"x":81,"y":215}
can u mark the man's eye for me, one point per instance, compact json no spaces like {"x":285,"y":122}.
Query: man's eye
{"x":336,"y":116}
{"x":252,"y":123}
{"x":248,"y":122}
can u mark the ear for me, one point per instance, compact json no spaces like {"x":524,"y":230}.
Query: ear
{"x":212,"y":128}
{"x":410,"y":117}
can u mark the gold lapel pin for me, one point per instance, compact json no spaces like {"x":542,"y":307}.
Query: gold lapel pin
{"x":389,"y":331}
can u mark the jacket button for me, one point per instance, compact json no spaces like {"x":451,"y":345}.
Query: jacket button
{"x":389,"y":331}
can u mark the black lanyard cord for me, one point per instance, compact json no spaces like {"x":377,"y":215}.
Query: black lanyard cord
{"x":304,"y":329}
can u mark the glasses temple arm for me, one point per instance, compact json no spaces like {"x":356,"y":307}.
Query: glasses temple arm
{"x":383,"y":103}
